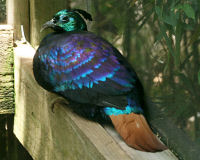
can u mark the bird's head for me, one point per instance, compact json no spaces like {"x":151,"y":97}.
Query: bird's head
{"x":68,"y":20}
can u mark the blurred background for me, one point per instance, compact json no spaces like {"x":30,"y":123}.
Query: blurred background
{"x":161,"y":41}
{"x":3,"y":11}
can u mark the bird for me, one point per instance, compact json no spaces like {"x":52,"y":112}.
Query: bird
{"x":86,"y":69}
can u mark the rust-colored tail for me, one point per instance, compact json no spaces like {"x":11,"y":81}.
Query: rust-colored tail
{"x":135,"y":131}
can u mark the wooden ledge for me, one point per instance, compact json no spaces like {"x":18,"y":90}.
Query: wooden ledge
{"x":6,"y":27}
{"x":62,"y":134}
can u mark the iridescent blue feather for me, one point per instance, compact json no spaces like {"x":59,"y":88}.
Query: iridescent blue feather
{"x":87,"y":69}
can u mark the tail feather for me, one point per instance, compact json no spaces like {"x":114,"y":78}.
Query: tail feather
{"x":135,"y":131}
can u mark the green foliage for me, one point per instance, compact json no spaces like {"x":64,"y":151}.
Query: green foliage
{"x":174,"y":18}
{"x":199,"y":77}
{"x":2,"y":11}
{"x":161,"y":40}
{"x":187,"y":8}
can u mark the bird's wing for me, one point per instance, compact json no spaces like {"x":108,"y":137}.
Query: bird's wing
{"x":87,"y":69}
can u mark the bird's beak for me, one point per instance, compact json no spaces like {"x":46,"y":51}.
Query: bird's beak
{"x":48,"y":24}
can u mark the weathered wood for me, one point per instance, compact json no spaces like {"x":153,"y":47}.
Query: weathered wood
{"x":10,"y":12}
{"x":62,"y":134}
{"x":18,"y":14}
{"x":6,"y":70}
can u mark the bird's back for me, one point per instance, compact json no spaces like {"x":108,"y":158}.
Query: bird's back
{"x":85,"y":68}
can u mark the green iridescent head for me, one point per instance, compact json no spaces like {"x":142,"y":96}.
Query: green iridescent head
{"x":68,"y":20}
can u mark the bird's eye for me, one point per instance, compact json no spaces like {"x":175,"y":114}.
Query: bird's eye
{"x":65,"y":19}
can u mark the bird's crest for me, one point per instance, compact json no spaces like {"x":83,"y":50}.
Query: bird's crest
{"x":85,"y":14}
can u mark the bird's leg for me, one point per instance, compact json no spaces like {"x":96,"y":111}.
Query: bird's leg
{"x":59,"y":100}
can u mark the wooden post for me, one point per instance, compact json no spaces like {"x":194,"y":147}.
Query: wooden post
{"x":62,"y":134}
{"x":10,"y":12}
{"x":18,"y":15}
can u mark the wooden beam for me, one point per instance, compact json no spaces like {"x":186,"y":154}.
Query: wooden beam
{"x":62,"y":134}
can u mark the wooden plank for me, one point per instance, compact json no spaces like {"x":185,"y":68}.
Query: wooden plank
{"x":6,"y":70}
{"x":62,"y":134}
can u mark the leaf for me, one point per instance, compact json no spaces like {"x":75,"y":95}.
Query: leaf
{"x":178,"y":35}
{"x":199,"y":77}
{"x":163,"y":30}
{"x":170,"y":19}
{"x":158,"y":11}
{"x":188,"y":10}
